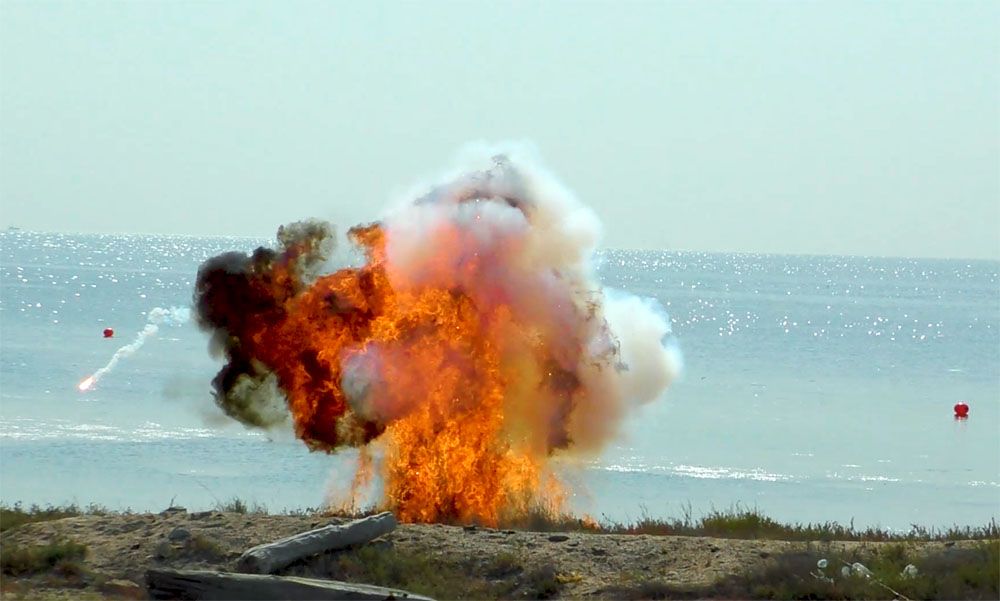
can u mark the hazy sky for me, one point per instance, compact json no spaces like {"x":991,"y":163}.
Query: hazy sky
{"x":833,"y":128}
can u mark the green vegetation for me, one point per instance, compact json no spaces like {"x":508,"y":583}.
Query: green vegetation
{"x":752,"y":524}
{"x":541,"y":582}
{"x":236,"y":505}
{"x":13,"y":591}
{"x":502,"y":577}
{"x":198,"y":547}
{"x":735,"y":522}
{"x":12,"y":516}
{"x":744,"y":523}
{"x":540,"y":519}
{"x":948,"y":574}
{"x":204,"y":548}
{"x":62,"y":556}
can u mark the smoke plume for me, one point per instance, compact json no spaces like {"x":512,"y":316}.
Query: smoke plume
{"x":472,"y":345}
{"x":157,"y":316}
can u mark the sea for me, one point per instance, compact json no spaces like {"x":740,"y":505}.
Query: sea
{"x":815,"y":389}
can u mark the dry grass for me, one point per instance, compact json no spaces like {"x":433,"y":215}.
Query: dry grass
{"x":949,"y":574}
{"x":505,"y":576}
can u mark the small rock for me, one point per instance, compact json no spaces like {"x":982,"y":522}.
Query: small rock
{"x":163,"y":550}
{"x":764,"y":554}
{"x":558,"y":538}
{"x":123,"y":588}
{"x":172,"y":510}
{"x":598,"y":552}
{"x":179,"y":534}
{"x":200,"y":515}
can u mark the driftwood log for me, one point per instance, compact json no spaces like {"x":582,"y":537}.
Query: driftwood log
{"x":202,"y":584}
{"x":271,"y":557}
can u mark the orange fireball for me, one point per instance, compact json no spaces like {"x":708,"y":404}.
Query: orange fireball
{"x":470,"y":347}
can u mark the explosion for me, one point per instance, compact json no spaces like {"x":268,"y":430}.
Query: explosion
{"x":471,"y":347}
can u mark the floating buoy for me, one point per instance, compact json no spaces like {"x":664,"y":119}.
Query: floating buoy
{"x":961,"y":410}
{"x":108,"y":333}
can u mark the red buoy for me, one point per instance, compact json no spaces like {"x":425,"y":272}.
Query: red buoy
{"x":961,"y":410}
{"x":108,"y":333}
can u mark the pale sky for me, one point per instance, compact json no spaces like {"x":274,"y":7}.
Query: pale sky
{"x":820,"y":127}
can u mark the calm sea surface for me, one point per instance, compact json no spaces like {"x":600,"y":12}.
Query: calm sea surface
{"x":815,"y":388}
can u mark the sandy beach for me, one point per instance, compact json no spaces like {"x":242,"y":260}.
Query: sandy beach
{"x":495,"y":562}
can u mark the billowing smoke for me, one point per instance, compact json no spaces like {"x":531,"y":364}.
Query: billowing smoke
{"x":472,"y":345}
{"x":157,"y":316}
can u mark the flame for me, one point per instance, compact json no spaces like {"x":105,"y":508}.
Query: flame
{"x":467,"y":349}
{"x":86,"y":384}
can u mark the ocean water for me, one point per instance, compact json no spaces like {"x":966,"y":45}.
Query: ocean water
{"x":815,"y":389}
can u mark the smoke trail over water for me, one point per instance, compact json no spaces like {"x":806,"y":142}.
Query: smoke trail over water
{"x":157,"y":316}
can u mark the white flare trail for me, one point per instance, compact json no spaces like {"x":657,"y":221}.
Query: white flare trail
{"x":173,"y":316}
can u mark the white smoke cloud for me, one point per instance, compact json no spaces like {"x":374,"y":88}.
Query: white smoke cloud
{"x":530,"y":244}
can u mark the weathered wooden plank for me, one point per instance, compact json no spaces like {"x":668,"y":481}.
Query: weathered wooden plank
{"x":271,"y":557}
{"x":222,"y":586}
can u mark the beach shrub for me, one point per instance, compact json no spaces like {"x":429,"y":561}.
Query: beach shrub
{"x":237,"y":505}
{"x":204,"y":548}
{"x":18,"y":560}
{"x":382,"y":565}
{"x":501,"y":566}
{"x":745,"y":523}
{"x":541,"y":582}
{"x":503,"y":576}
{"x":12,"y":516}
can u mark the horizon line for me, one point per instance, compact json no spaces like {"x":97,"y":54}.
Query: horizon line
{"x":14,"y":229}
